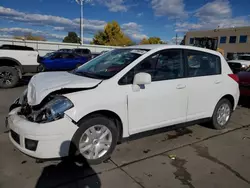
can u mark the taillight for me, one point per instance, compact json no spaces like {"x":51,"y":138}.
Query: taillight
{"x":234,"y":77}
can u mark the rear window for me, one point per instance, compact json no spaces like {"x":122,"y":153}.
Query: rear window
{"x":247,"y":58}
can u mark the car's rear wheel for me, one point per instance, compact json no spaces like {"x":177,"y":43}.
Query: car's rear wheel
{"x":95,"y":139}
{"x":41,"y":68}
{"x":9,"y":77}
{"x":222,"y":114}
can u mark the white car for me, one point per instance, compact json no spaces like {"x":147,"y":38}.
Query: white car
{"x":242,"y":63}
{"x":118,"y":94}
{"x":15,"y":61}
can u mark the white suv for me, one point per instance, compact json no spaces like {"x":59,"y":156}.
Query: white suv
{"x":118,"y":94}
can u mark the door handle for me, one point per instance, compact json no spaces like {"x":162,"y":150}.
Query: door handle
{"x":217,"y":82}
{"x":180,"y":86}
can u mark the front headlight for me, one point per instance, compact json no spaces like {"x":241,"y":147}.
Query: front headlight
{"x":53,"y":110}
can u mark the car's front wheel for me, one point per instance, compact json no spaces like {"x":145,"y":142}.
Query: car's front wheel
{"x":95,"y":139}
{"x":222,"y":114}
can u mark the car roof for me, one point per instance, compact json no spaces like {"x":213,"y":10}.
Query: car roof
{"x":166,"y":46}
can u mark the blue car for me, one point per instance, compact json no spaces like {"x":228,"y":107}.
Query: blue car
{"x":60,"y":61}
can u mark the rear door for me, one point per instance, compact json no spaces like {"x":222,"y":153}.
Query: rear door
{"x":205,"y":83}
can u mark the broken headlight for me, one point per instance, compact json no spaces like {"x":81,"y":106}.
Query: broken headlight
{"x":52,"y":111}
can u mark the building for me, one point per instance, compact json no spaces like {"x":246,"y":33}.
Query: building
{"x":234,"y":41}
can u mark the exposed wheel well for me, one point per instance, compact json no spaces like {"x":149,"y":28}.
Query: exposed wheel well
{"x":10,"y":63}
{"x":230,"y":98}
{"x":110,"y":115}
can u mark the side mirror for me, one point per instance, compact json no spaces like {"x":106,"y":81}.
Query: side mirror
{"x":141,"y":78}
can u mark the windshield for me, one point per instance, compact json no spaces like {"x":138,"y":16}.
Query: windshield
{"x":48,"y":54}
{"x":109,"y":64}
{"x":247,"y":58}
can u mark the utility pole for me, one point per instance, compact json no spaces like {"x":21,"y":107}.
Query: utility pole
{"x":80,"y":2}
{"x":176,"y":38}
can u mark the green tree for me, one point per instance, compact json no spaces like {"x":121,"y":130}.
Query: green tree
{"x":112,"y":36}
{"x":151,"y":40}
{"x":72,"y":38}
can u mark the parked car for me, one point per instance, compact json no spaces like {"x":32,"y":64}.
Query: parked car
{"x":79,"y":51}
{"x":60,"y":61}
{"x":244,"y":82}
{"x":121,"y":93}
{"x":15,"y":61}
{"x":242,"y":63}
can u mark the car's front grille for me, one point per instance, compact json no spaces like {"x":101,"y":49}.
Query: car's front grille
{"x":15,"y":136}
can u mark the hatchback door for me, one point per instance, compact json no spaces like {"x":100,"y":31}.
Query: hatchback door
{"x":204,"y":83}
{"x":164,"y":101}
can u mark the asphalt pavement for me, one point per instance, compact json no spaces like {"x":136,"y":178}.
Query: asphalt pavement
{"x":195,"y":156}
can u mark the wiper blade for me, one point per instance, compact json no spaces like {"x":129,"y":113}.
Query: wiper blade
{"x":91,"y":75}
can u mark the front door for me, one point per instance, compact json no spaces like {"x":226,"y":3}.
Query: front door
{"x":164,"y":101}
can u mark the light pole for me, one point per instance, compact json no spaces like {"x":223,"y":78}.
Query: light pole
{"x":80,"y":2}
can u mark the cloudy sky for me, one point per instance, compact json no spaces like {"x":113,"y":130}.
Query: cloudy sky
{"x":138,"y":18}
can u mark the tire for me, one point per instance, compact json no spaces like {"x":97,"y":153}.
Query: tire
{"x":215,"y":119}
{"x":41,"y":68}
{"x":9,"y":77}
{"x":94,"y":122}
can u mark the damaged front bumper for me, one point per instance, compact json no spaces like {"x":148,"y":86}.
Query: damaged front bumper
{"x":43,"y":141}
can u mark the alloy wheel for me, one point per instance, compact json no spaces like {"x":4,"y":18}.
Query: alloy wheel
{"x":223,"y":114}
{"x":95,"y":142}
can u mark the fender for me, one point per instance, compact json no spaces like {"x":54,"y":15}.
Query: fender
{"x":14,"y":60}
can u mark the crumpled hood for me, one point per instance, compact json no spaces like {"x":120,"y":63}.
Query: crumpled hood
{"x":43,"y":84}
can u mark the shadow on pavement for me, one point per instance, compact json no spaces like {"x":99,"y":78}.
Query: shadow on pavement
{"x":69,"y":173}
{"x":244,"y":102}
{"x":24,"y":81}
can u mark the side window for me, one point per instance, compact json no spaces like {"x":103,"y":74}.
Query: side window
{"x":191,"y":41}
{"x":67,"y":56}
{"x":57,"y":56}
{"x":243,"y":39}
{"x":169,"y":66}
{"x":202,"y":64}
{"x":147,"y":65}
{"x":165,"y":65}
{"x":71,"y":56}
{"x":232,"y":39}
{"x":223,"y":40}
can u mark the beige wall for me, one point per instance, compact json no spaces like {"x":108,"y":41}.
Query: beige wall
{"x":227,"y":47}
